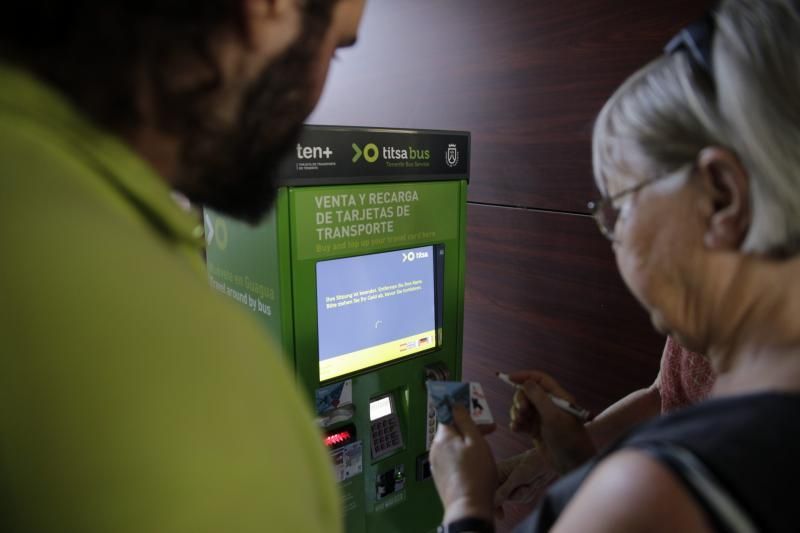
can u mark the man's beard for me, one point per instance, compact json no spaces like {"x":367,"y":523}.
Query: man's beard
{"x":233,"y":168}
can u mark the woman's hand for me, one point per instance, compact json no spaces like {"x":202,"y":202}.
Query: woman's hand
{"x":463,"y":469}
{"x":522,"y":479}
{"x":560,"y":436}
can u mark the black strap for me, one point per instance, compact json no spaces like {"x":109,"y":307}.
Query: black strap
{"x":723,"y":510}
{"x":467,"y":525}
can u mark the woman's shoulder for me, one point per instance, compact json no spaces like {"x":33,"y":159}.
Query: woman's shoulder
{"x":733,"y":439}
{"x":743,"y":444}
{"x":671,"y":473}
{"x":630,"y":490}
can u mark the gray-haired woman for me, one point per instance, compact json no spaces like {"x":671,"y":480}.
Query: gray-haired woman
{"x":698,"y":159}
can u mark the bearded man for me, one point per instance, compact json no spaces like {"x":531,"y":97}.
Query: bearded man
{"x":132,"y":397}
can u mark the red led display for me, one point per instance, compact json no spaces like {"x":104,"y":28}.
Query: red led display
{"x":335,"y":439}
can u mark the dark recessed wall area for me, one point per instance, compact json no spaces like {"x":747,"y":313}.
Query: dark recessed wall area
{"x":526,"y":78}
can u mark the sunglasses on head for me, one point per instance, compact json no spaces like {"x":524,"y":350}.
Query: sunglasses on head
{"x":695,"y":39}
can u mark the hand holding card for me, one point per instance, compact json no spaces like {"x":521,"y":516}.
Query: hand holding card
{"x":443,"y":394}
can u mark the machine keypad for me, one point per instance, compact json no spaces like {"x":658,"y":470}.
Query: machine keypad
{"x":386,"y":436}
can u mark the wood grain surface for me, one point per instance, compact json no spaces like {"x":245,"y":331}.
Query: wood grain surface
{"x":526,"y":77}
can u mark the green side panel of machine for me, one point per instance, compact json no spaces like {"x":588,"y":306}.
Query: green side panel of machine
{"x":244,"y":263}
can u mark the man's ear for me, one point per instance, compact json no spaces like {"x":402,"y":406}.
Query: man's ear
{"x":269,"y":26}
{"x":727,"y":185}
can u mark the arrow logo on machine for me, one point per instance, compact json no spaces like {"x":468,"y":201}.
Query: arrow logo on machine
{"x":370,"y":152}
{"x":209,"y":228}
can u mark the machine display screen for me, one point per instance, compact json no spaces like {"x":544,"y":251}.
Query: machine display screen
{"x":376,"y":308}
{"x":380,"y":408}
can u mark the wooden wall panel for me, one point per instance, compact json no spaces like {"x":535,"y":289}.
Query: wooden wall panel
{"x":543,"y":292}
{"x":526,"y":77}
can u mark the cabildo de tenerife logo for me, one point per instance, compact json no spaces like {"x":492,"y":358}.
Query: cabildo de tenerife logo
{"x":451,"y":155}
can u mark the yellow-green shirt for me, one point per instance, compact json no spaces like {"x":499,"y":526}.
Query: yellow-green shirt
{"x":133,"y":398}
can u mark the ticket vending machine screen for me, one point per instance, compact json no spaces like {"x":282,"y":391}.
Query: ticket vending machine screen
{"x":376,"y":308}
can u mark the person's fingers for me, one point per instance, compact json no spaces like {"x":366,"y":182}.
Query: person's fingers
{"x":541,"y":400}
{"x":504,"y":491}
{"x":523,"y":493}
{"x":463,"y":423}
{"x":445,"y":441}
{"x":544,"y":380}
{"x":506,"y":466}
{"x":501,"y":494}
{"x":519,"y":424}
{"x":522,"y":404}
{"x":445,"y":432}
{"x":521,"y":376}
{"x":553,"y":387}
{"x":523,"y":415}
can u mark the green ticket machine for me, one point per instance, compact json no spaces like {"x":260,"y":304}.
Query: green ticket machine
{"x":358,"y":273}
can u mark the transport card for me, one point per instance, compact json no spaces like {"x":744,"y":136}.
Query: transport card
{"x":443,"y":394}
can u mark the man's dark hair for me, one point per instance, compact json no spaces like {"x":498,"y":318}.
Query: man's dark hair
{"x":98,"y":52}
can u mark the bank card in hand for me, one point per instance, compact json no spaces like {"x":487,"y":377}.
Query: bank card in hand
{"x":443,"y":394}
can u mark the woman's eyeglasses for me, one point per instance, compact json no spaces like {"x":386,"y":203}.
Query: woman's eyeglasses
{"x":606,"y":210}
